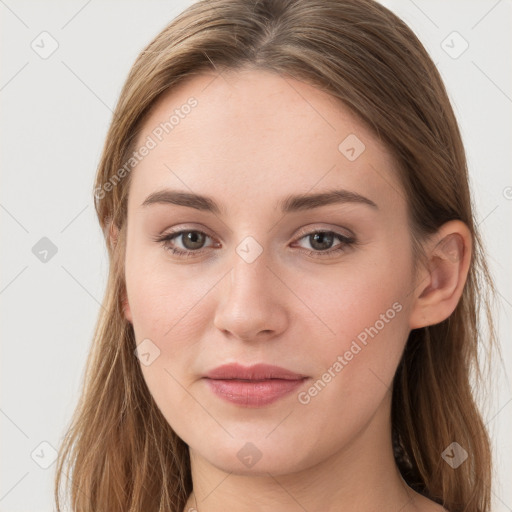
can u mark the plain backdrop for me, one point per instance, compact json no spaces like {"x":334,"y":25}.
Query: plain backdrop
{"x":62,"y":68}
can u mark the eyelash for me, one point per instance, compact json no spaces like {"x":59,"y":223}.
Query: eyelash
{"x":346,"y":242}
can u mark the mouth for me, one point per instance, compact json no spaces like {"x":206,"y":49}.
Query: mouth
{"x":253,"y":393}
{"x":253,"y":386}
{"x":255,"y":372}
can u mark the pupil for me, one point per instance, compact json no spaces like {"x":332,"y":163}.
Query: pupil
{"x":325,"y":240}
{"x":193,"y":236}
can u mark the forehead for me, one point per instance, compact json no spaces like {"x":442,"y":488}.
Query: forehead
{"x":252,"y":134}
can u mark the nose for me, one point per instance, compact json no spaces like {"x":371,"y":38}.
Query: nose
{"x":252,"y":303}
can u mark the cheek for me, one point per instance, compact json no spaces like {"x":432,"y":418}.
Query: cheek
{"x":161,"y":297}
{"x":165,"y":308}
{"x":364,"y":315}
{"x":171,"y":309}
{"x":168,"y":316}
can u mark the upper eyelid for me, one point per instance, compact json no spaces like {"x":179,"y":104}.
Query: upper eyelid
{"x":307,"y":231}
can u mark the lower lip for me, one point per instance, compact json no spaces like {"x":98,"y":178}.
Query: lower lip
{"x":255,"y":393}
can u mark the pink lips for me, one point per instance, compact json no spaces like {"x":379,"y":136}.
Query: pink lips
{"x":252,"y":386}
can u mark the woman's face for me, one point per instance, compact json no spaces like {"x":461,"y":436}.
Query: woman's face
{"x":258,"y":286}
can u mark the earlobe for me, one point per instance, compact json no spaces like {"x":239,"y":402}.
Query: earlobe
{"x":439,"y":291}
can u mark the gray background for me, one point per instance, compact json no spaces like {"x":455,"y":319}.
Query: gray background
{"x":55,"y":114}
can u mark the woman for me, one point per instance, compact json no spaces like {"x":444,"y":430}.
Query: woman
{"x":291,"y":315}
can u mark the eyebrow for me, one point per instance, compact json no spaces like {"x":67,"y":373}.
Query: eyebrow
{"x":291,"y":203}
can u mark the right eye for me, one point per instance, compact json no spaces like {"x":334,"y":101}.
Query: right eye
{"x":192,"y":241}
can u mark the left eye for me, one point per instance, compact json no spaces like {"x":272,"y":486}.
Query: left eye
{"x":193,"y":240}
{"x":319,"y":240}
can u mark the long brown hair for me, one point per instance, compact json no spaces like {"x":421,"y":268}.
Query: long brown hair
{"x":123,"y":454}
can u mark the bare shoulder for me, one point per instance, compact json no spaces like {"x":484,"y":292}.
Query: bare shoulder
{"x":423,"y":504}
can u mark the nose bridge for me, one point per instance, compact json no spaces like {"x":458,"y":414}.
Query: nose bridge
{"x":250,"y":275}
{"x":250,"y":267}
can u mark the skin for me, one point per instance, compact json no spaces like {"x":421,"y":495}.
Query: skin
{"x":254,"y":138}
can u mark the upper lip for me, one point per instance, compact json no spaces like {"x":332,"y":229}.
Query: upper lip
{"x":256,"y":372}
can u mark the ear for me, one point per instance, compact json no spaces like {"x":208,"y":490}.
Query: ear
{"x":126,"y":308}
{"x":112,"y":234}
{"x":440,"y":286}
